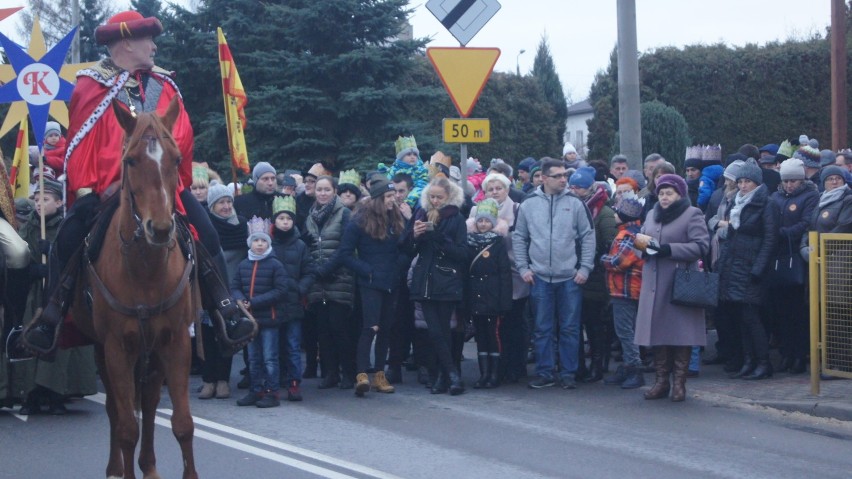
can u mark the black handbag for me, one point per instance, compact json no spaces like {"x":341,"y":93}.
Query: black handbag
{"x":696,"y":289}
{"x":789,"y":269}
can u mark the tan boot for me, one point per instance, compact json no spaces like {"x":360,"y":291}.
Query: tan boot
{"x":223,"y":390}
{"x":381,"y":384}
{"x":362,"y":384}
{"x":207,"y":391}
{"x":663,"y":359}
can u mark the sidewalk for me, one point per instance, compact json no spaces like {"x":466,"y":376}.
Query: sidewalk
{"x":784,"y":391}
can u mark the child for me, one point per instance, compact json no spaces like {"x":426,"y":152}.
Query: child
{"x":54,"y":146}
{"x":490,"y":290}
{"x":708,"y":183}
{"x":261,"y":284}
{"x":293,"y":253}
{"x":624,"y":279}
{"x":408,"y":161}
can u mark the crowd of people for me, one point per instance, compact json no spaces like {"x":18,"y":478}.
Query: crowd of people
{"x":559,"y":262}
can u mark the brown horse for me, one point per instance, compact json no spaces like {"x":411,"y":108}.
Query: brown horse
{"x":142,"y":299}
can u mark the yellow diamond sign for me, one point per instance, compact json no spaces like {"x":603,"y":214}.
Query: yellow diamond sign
{"x":464,"y":72}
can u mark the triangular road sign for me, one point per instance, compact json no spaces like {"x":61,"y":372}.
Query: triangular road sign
{"x":463,"y":71}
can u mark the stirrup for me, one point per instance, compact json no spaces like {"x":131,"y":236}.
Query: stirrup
{"x":45,"y":354}
{"x":15,"y":349}
{"x":232,"y":345}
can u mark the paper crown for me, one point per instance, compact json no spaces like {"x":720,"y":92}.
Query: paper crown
{"x":405,"y":144}
{"x":199,"y":172}
{"x":694,"y":152}
{"x":786,"y":149}
{"x":440,"y":164}
{"x":712,"y":153}
{"x":283,"y":204}
{"x":487,"y":207}
{"x":258,"y":226}
{"x":630,"y":206}
{"x":350,"y":177}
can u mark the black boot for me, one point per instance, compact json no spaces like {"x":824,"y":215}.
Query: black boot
{"x":456,"y":384}
{"x":482,"y":359}
{"x":43,"y":332}
{"x":763,"y":370}
{"x":493,"y":371}
{"x":798,"y":366}
{"x":441,"y":384}
{"x":234,"y":325}
{"x":748,"y":368}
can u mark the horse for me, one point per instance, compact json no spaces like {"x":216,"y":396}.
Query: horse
{"x":141,"y":299}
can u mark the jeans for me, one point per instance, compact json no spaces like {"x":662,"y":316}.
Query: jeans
{"x":695,"y":359}
{"x":556,"y":304}
{"x":263,"y":361}
{"x":290,"y":362}
{"x":624,"y":318}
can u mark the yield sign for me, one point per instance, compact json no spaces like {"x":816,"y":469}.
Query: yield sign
{"x":463,"y":71}
{"x":463,"y":18}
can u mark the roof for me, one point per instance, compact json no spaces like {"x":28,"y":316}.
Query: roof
{"x":580,"y":108}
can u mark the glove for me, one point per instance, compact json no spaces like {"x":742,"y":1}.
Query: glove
{"x":755,"y":278}
{"x":665,"y":251}
{"x":37,"y":271}
{"x":44,"y":247}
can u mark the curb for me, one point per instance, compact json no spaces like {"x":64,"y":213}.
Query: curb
{"x":828,"y":409}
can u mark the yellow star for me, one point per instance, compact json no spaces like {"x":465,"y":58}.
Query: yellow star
{"x":58,"y":109}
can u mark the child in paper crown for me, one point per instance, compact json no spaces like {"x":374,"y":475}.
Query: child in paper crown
{"x":261,"y":284}
{"x":490,"y":292}
{"x":294,"y":255}
{"x":624,"y":280}
{"x":408,"y":161}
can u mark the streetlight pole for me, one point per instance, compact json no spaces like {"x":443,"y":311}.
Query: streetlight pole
{"x":517,"y":62}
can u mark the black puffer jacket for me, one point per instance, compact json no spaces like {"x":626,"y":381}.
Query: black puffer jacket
{"x":264,"y":284}
{"x":254,"y":204}
{"x":337,"y":286}
{"x":293,"y":254}
{"x":746,"y":251}
{"x":794,"y":212}
{"x":489,"y":289}
{"x":378,"y":263}
{"x":835,"y":217}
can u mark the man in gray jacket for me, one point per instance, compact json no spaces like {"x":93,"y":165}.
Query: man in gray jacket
{"x":554,"y":245}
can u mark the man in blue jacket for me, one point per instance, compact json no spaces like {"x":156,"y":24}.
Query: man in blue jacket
{"x":554,"y":245}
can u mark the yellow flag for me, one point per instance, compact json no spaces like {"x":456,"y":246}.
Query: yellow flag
{"x":21,"y":163}
{"x":235,"y":102}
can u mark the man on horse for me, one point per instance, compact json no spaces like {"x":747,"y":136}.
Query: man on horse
{"x":93,"y":164}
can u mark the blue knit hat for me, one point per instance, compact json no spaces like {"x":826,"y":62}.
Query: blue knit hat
{"x":261,"y":169}
{"x":584,"y":177}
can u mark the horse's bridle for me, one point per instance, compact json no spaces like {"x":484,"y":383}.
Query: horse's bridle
{"x":139,"y":233}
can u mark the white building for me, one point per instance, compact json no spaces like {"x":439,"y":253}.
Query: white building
{"x":576,"y":129}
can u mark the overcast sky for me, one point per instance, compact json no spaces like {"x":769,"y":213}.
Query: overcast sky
{"x":582,"y":33}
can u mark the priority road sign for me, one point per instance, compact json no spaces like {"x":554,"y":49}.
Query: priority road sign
{"x":464,"y":72}
{"x":467,"y":130}
{"x":463,"y":18}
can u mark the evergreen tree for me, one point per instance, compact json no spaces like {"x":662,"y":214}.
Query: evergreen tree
{"x":93,"y":13}
{"x":147,"y":8}
{"x":544,"y":71}
{"x":664,"y":131}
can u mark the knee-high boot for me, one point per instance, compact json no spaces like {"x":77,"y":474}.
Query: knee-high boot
{"x":663,"y":360}
{"x":681,"y":369}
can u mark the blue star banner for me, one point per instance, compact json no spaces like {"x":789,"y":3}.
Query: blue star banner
{"x":37,"y":82}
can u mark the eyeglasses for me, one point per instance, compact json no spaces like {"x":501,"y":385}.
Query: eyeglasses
{"x":834,"y":179}
{"x":558,"y":176}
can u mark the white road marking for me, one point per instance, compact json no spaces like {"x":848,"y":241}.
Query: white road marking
{"x":11,"y":413}
{"x":272,"y":456}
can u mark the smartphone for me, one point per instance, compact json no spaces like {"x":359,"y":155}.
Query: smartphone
{"x":429,"y":225}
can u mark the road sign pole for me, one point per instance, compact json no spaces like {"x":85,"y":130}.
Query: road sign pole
{"x":463,"y":165}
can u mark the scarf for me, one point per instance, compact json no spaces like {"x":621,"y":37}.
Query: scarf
{"x":257,"y":257}
{"x":320,"y":213}
{"x":230,"y":219}
{"x":830,"y":197}
{"x":740,"y":200}
{"x":481,"y":240}
{"x":673,"y":212}
{"x":596,"y":200}
{"x":283,"y":237}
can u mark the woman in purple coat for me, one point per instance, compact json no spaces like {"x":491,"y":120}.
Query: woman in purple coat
{"x":674,"y":236}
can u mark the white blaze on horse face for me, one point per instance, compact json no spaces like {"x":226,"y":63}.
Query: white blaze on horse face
{"x":155,"y":152}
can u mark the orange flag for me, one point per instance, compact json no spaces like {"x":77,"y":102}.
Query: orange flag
{"x":21,"y":163}
{"x":235,"y":102}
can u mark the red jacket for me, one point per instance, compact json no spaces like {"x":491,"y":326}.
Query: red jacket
{"x":623,"y":266}
{"x":93,"y":158}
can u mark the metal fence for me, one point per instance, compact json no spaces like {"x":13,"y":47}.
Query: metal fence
{"x":831,"y":306}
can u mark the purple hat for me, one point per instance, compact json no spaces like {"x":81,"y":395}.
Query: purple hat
{"x":671,"y":181}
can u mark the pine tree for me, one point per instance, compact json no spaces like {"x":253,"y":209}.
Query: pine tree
{"x":147,"y":8}
{"x":544,"y":71}
{"x":93,"y":13}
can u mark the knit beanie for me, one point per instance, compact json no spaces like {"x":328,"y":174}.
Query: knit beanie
{"x":733,"y":170}
{"x":770,"y":148}
{"x":584,"y":177}
{"x":526,"y":164}
{"x":831,"y":171}
{"x":216,"y":192}
{"x":487,"y":209}
{"x":52,"y":127}
{"x":629,"y":208}
{"x":810,"y":156}
{"x":827,"y":157}
{"x":379,"y":187}
{"x":50,"y":186}
{"x":473,"y":166}
{"x":693,"y":163}
{"x":568,"y":148}
{"x":261,"y":169}
{"x":670,"y":180}
{"x":792,"y":169}
{"x":750,"y":170}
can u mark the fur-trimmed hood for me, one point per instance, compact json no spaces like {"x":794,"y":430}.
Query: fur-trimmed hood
{"x":456,"y":196}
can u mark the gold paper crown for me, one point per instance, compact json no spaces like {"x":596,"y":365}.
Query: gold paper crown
{"x":349,"y":177}
{"x":405,"y":143}
{"x":199,"y":172}
{"x":283,"y":203}
{"x":786,"y":149}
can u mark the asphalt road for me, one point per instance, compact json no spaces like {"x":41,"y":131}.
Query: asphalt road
{"x":513,"y":432}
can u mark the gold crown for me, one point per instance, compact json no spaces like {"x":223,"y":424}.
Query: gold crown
{"x":349,"y":177}
{"x":199,"y":172}
{"x":405,"y":143}
{"x":283,"y":203}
